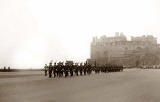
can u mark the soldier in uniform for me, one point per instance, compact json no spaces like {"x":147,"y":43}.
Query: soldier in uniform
{"x":81,"y":69}
{"x":59,"y":69}
{"x":105,"y":68}
{"x":71,"y":69}
{"x":95,"y":69}
{"x":45,"y":69}
{"x":4,"y":68}
{"x":50,"y":70}
{"x":66,"y":69}
{"x":9,"y":68}
{"x":54,"y":70}
{"x":89,"y":67}
{"x":76,"y":69}
{"x":85,"y":69}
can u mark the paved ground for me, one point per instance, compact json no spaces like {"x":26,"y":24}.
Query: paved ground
{"x":134,"y":85}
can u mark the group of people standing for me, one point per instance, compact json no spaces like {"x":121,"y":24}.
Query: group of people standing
{"x":69,"y":69}
{"x":6,"y":69}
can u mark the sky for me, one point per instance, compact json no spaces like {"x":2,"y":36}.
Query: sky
{"x":33,"y":32}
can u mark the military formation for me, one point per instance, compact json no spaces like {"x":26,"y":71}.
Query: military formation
{"x":70,"y":69}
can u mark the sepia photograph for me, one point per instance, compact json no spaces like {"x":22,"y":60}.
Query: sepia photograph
{"x":79,"y":50}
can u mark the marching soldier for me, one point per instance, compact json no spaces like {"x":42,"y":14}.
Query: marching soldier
{"x":9,"y":68}
{"x":85,"y":69}
{"x":4,"y":68}
{"x":54,"y":70}
{"x":50,"y":70}
{"x":45,"y":69}
{"x":66,"y":69}
{"x":76,"y":69}
{"x":81,"y":69}
{"x":59,"y":70}
{"x":89,"y":67}
{"x":71,"y":70}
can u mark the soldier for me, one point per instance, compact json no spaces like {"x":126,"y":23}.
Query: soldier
{"x":45,"y":69}
{"x":89,"y":67}
{"x":81,"y":69}
{"x":55,"y":70}
{"x":66,"y":69}
{"x":71,"y":70}
{"x":95,"y":69}
{"x":76,"y":69}
{"x":59,"y":69}
{"x":4,"y":68}
{"x":9,"y":68}
{"x":105,"y":68}
{"x":50,"y":70}
{"x":108,"y":69}
{"x":85,"y":68}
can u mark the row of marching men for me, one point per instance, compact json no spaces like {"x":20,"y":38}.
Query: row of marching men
{"x":69,"y":69}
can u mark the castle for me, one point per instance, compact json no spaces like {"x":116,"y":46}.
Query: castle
{"x":139,"y":51}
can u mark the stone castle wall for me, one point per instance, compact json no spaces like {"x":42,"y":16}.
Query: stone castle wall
{"x":118,"y":50}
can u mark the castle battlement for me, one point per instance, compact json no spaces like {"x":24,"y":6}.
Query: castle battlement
{"x":120,"y":39}
{"x":117,"y":49}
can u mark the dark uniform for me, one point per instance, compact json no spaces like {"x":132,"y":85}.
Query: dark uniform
{"x":81,"y":69}
{"x":71,"y":70}
{"x":66,"y":69}
{"x":76,"y":69}
{"x":9,"y":68}
{"x":45,"y":69}
{"x":54,"y":70}
{"x":85,"y":69}
{"x":4,"y":68}
{"x":50,"y":70}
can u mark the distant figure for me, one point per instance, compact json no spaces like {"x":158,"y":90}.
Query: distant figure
{"x":45,"y":69}
{"x":4,"y":68}
{"x":9,"y":68}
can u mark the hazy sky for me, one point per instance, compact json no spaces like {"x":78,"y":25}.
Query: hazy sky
{"x":32,"y":32}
